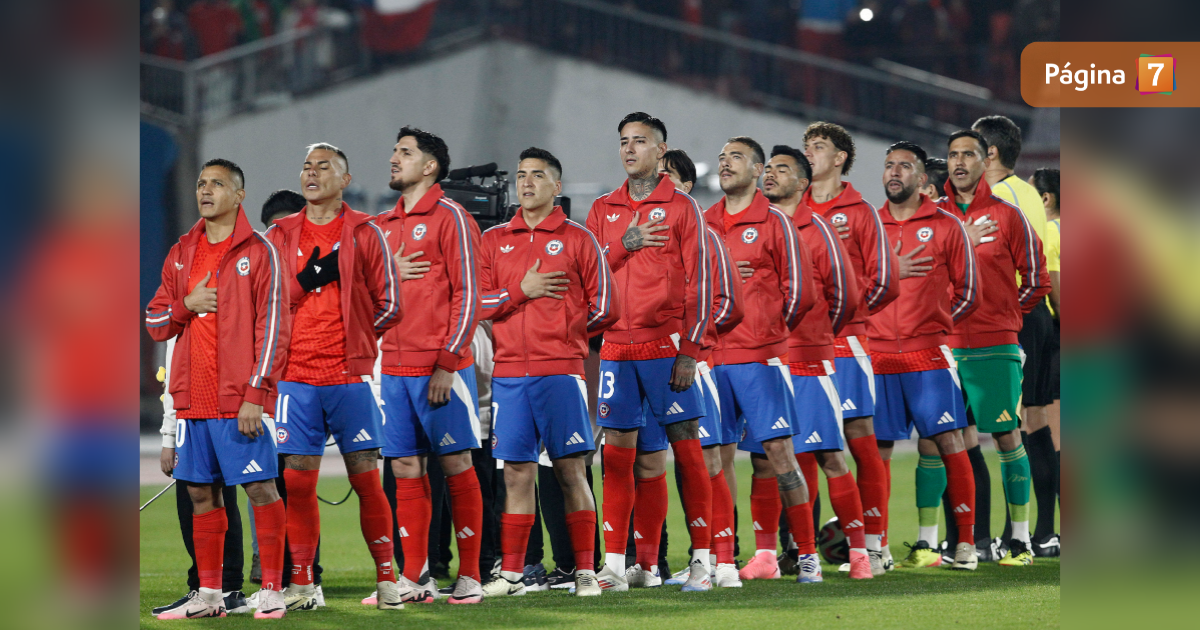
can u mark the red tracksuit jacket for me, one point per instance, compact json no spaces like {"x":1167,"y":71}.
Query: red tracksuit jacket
{"x":545,"y":336}
{"x":727,"y":298}
{"x":928,"y":306}
{"x":779,"y":293}
{"x":664,"y":290}
{"x":834,"y":289}
{"x":448,"y":295}
{"x":875,"y":264}
{"x":252,"y":316}
{"x":369,"y":285}
{"x":1017,"y":249}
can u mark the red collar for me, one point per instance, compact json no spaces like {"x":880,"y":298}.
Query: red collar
{"x":803,"y":215}
{"x":848,"y":197}
{"x":663,"y":193}
{"x":925,"y":210}
{"x":757,"y":212}
{"x":549,"y":224}
{"x":983,"y":193}
{"x":241,"y":230}
{"x":350,"y":217}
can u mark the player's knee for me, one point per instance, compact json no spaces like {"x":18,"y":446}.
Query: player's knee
{"x":712,"y":461}
{"x":519,"y":476}
{"x":204,"y":497}
{"x":262,"y":492}
{"x":456,"y":463}
{"x":408,"y":467}
{"x":833,"y":465}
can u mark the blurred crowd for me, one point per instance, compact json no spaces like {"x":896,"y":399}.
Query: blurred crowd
{"x":188,"y":29}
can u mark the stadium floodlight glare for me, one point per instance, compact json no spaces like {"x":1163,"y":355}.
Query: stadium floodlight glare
{"x":866,"y":15}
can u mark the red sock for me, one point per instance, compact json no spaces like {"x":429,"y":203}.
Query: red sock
{"x":618,"y":496}
{"x":697,"y":491}
{"x":466,"y":511}
{"x":872,"y":482}
{"x":208,"y":536}
{"x":375,"y":518}
{"x":800,"y":522}
{"x":651,"y":501}
{"x":414,"y":508}
{"x":961,"y":486}
{"x":809,"y":468}
{"x":887,"y":467}
{"x":764,"y":510}
{"x":304,"y":527}
{"x":722,"y":518}
{"x":270,"y":524}
{"x":582,"y":526}
{"x":843,"y":494}
{"x":514,"y":539}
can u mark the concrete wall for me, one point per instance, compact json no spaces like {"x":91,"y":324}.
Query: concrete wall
{"x":489,"y":103}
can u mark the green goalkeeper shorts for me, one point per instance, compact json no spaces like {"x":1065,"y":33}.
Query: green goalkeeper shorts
{"x":991,"y":383}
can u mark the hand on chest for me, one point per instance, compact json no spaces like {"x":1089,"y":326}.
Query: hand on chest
{"x":749,"y":242}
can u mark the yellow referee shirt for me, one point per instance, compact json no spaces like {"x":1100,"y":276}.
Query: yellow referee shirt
{"x":1021,"y":194}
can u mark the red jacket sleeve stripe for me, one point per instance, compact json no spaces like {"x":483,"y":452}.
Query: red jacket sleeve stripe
{"x":266,"y":359}
{"x":964,"y":301}
{"x":837,"y":307}
{"x":795,"y":281}
{"x":391,"y":286}
{"x":882,"y":282}
{"x":1029,"y":279}
{"x":703,"y":281}
{"x":725,"y":267}
{"x":603,"y":307}
{"x":470,"y":282}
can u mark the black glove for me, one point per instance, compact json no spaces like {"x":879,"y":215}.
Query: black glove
{"x":319,"y":271}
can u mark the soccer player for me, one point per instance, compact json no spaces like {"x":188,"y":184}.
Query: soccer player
{"x":936,"y":175}
{"x":985,"y":342}
{"x":650,"y":518}
{"x":222,"y":297}
{"x":547,"y":288}
{"x":648,"y":361}
{"x":778,"y":293}
{"x":818,"y":433}
{"x":1045,"y":482}
{"x":1036,"y":335}
{"x":325,"y":388}
{"x":429,"y":387}
{"x":915,"y":376}
{"x":830,"y":151}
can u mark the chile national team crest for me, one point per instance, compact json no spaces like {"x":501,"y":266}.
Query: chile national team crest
{"x":602,"y":410}
{"x":554,"y":247}
{"x":418,"y":232}
{"x":924,"y":234}
{"x":281,"y":435}
{"x":750,"y":235}
{"x":839,"y":218}
{"x":243,"y":266}
{"x":658,"y":214}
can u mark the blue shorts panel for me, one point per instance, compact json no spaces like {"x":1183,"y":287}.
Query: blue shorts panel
{"x":818,"y":414}
{"x":214,"y":451}
{"x":930,"y":401}
{"x":710,"y":422}
{"x":626,"y":385}
{"x":762,"y":396}
{"x":414,"y":427}
{"x":733,"y":425}
{"x":856,"y":386}
{"x":540,"y":410}
{"x":305,"y":414}
{"x":653,"y":436}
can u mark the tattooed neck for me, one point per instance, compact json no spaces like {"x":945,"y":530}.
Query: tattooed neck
{"x":641,"y":187}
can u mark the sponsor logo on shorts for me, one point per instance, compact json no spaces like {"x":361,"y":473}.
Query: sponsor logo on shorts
{"x":658,"y":214}
{"x":946,"y":418}
{"x":253,"y":467}
{"x":447,"y":440}
{"x":494,"y":440}
{"x":575,"y":439}
{"x":1004,"y":417}
{"x":281,"y":435}
{"x":419,"y":231}
{"x":780,"y":424}
{"x":848,"y":405}
{"x":813,"y":439}
{"x":603,"y":410}
{"x":704,"y":433}
{"x":243,"y":266}
{"x":554,"y":247}
{"x":361,"y":436}
{"x":674,"y":409}
{"x":924,"y":234}
{"x":750,"y":235}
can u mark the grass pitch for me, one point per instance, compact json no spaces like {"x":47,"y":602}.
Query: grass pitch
{"x":991,"y":597}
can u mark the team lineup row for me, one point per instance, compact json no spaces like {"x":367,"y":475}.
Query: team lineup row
{"x":791,"y":320}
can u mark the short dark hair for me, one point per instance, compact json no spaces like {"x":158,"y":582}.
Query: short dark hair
{"x":969,"y":133}
{"x":938,"y":172}
{"x":795,"y":154}
{"x":677,"y":160}
{"x":325,"y":146}
{"x":430,"y":144}
{"x":911,"y":147}
{"x":1004,"y":134}
{"x":645,"y":119}
{"x":228,"y":165}
{"x":1046,"y":180}
{"x":837,"y":135}
{"x":285,"y":201}
{"x":759,"y":154}
{"x":534,"y":153}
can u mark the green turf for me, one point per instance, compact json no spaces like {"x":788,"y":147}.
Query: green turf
{"x":991,"y":597}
